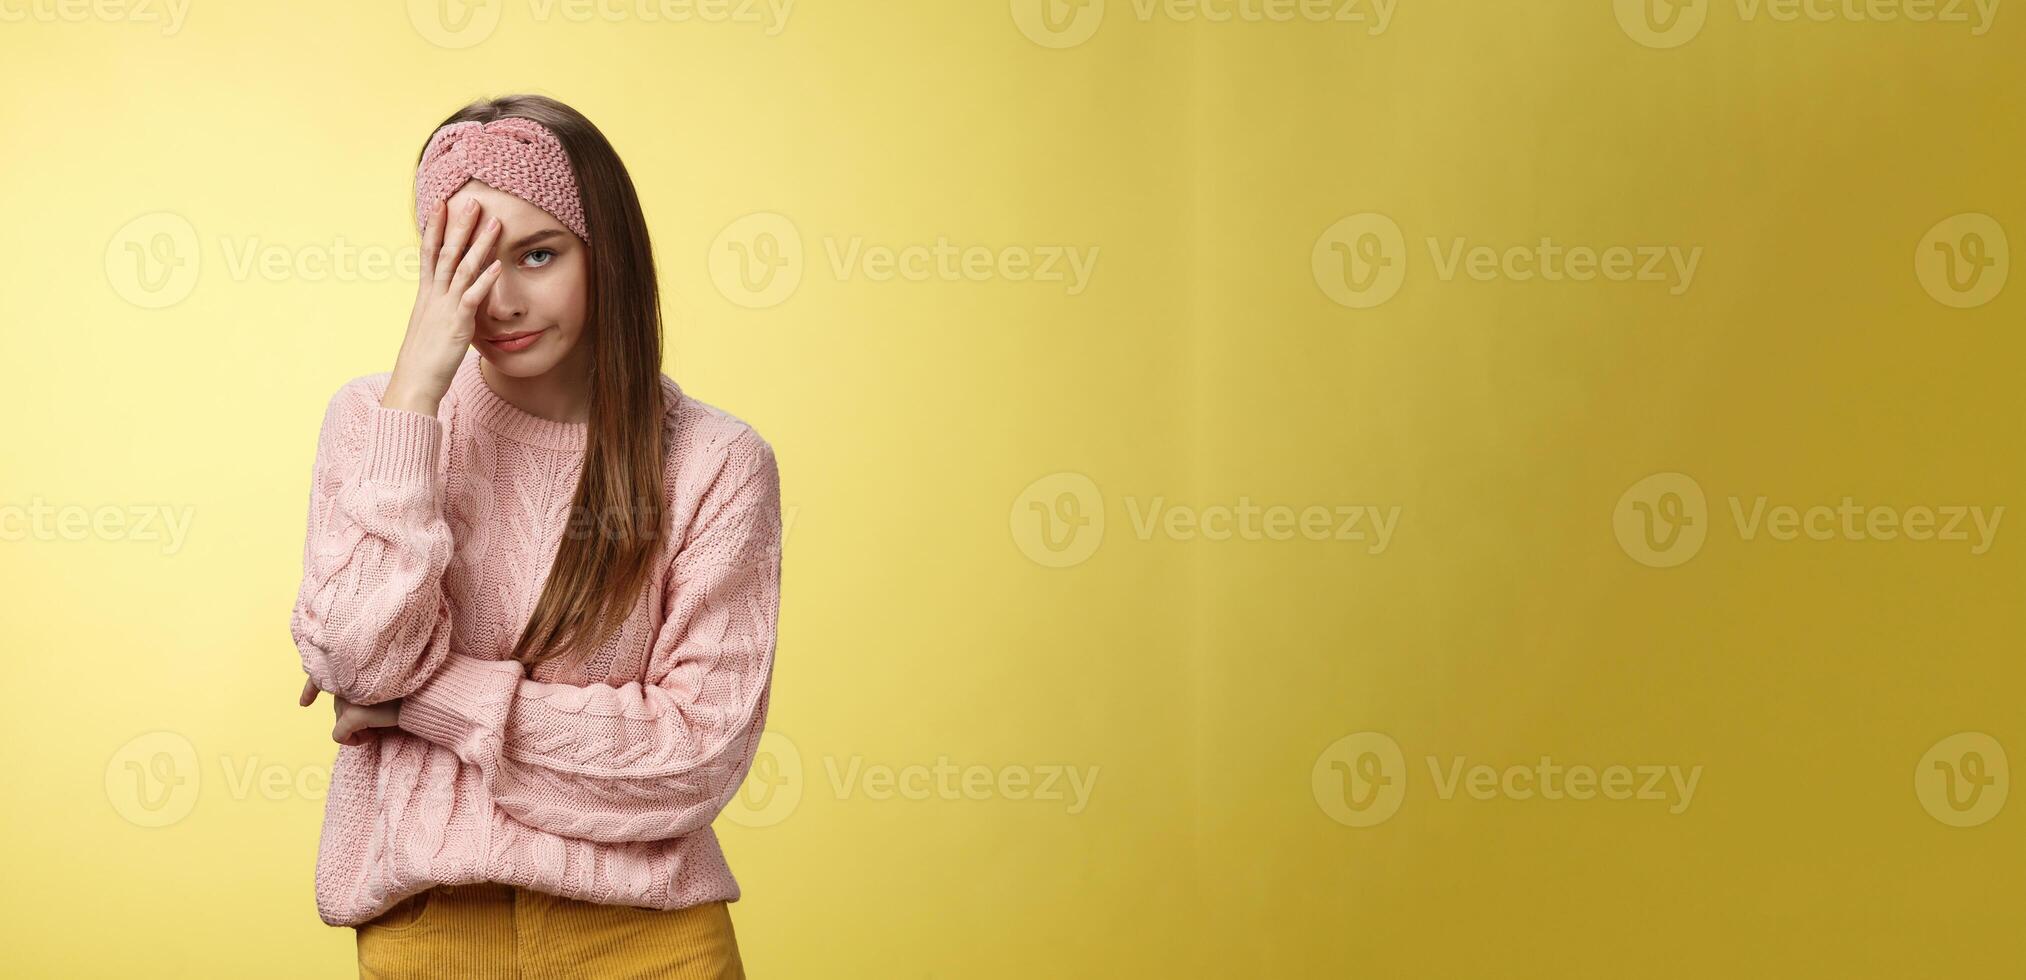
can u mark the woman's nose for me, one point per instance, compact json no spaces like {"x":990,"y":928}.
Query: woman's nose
{"x":504,"y":300}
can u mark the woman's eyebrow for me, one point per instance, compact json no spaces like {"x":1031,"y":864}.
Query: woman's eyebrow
{"x":528,"y":240}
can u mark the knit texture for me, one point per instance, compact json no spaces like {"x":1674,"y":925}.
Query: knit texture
{"x":518,"y":156}
{"x":429,"y":539}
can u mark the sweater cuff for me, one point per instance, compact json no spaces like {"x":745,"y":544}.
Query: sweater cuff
{"x":401,"y":446}
{"x":463,"y":706}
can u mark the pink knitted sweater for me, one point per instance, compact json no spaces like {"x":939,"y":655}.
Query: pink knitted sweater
{"x":429,"y":540}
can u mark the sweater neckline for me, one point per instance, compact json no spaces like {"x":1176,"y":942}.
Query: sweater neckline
{"x":497,"y":414}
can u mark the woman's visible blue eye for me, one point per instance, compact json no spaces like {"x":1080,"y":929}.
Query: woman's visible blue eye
{"x":543,"y":251}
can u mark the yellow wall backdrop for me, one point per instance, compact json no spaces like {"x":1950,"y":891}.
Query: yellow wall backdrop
{"x":1371,"y":488}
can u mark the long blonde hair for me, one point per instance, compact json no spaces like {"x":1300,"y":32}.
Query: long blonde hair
{"x":597,"y":577}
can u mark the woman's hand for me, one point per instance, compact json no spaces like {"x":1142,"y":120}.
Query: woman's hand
{"x":457,"y":273}
{"x":354,"y":719}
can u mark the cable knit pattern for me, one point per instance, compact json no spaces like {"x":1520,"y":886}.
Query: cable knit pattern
{"x":519,"y":156}
{"x":429,"y":539}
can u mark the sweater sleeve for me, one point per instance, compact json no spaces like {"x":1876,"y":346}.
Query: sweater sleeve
{"x":371,"y":621}
{"x":640,"y":761}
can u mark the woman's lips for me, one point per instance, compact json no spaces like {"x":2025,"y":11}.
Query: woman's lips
{"x":522,"y":342}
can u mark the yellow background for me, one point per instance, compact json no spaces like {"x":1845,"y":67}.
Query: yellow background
{"x":1202,"y":679}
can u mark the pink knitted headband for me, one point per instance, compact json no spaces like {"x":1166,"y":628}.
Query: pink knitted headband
{"x":519,"y":156}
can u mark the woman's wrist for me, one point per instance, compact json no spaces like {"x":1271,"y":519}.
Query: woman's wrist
{"x":421,"y":378}
{"x":413,"y":398}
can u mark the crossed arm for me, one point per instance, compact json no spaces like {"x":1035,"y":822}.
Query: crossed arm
{"x":641,"y":761}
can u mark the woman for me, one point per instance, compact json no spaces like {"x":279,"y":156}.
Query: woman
{"x":540,"y":583}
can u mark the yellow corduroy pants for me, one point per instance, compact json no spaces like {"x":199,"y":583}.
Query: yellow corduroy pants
{"x":495,"y":930}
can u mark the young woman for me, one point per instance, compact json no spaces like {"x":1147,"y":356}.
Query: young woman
{"x":540,"y":583}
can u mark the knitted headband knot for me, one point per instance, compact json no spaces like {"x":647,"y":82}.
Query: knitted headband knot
{"x":519,"y":156}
